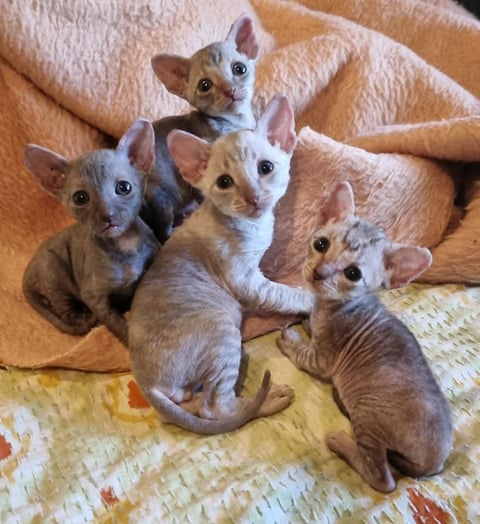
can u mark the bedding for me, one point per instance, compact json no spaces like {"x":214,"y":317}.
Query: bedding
{"x":84,"y":447}
{"x":386,"y":96}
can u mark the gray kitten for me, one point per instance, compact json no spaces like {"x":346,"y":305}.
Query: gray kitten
{"x":381,"y":378}
{"x":218,"y":81}
{"x":88,"y":272}
{"x":185,"y":339}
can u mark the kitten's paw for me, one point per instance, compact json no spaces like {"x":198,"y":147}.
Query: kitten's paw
{"x":339,"y":442}
{"x":279,"y":397}
{"x":288,"y":341}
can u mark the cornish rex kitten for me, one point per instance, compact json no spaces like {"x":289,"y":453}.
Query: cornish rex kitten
{"x":185,"y":338}
{"x":88,"y":272}
{"x":218,"y":80}
{"x":381,"y":379}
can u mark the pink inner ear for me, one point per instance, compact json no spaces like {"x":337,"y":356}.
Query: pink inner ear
{"x":340,"y":204}
{"x":139,"y":142}
{"x":244,"y":36}
{"x":47,"y":167}
{"x":189,"y":153}
{"x":406,"y":263}
{"x":277,"y":123}
{"x":173,"y":71}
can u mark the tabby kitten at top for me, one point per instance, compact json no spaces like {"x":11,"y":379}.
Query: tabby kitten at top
{"x":185,"y":327}
{"x":381,"y":379}
{"x":218,"y":80}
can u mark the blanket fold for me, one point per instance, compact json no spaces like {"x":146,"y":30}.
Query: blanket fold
{"x":385,"y":97}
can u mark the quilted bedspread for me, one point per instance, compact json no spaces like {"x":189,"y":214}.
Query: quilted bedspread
{"x":84,"y":447}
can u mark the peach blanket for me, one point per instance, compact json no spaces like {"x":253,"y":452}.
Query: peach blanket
{"x":386,"y":96}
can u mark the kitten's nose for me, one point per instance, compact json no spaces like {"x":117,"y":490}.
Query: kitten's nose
{"x":252,"y":199}
{"x":323,"y":272}
{"x":230,"y":93}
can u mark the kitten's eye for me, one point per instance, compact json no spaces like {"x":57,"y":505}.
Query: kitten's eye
{"x":265,"y":167}
{"x":80,"y":198}
{"x":204,"y":85}
{"x":239,"y":69}
{"x":224,"y":181}
{"x":123,"y":188}
{"x":321,"y":245}
{"x":353,"y":273}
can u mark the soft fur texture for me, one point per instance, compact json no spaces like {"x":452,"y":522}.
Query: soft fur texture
{"x":382,"y":104}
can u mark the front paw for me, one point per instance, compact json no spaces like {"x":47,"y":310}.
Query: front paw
{"x":288,"y":341}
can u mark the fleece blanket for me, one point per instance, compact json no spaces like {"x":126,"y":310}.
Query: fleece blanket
{"x":385,"y":96}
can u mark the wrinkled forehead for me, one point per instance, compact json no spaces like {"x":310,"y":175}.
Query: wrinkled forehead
{"x":353,"y":234}
{"x":212,"y":56}
{"x":96,"y":167}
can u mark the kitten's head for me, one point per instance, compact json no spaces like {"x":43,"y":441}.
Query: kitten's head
{"x":219,"y":78}
{"x":349,"y":257}
{"x":102,"y":189}
{"x":243,"y":173}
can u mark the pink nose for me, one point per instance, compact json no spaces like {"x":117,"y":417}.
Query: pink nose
{"x":252,"y":200}
{"x":323,"y":272}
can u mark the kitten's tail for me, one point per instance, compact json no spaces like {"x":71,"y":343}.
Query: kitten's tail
{"x":174,"y":414}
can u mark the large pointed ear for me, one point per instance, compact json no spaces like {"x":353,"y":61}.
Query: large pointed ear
{"x":243,"y":35}
{"x":173,"y":71}
{"x":49,"y":169}
{"x":405,"y":263}
{"x":189,"y":153}
{"x":139,"y":144}
{"x":339,"y":205}
{"x":277,"y":123}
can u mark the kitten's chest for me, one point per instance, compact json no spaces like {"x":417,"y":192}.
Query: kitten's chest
{"x":119,"y":266}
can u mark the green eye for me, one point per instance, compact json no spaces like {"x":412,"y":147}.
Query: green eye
{"x":123,"y":188}
{"x":239,"y":69}
{"x":353,"y":273}
{"x":321,"y":245}
{"x":204,"y":85}
{"x":224,"y":182}
{"x":265,"y":167}
{"x":80,"y":198}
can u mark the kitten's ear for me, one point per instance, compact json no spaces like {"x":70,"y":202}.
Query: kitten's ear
{"x":139,"y":144}
{"x":189,"y":153}
{"x":173,"y":71}
{"x":405,"y":263}
{"x":49,"y":169}
{"x":277,"y":123}
{"x":340,"y":204}
{"x":243,"y":35}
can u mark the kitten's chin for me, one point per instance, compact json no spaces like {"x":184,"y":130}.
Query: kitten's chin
{"x":111,"y":231}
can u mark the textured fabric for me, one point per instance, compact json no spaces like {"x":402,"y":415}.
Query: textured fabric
{"x":84,"y":447}
{"x":385,"y":96}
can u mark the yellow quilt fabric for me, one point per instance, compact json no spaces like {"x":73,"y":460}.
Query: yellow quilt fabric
{"x":84,"y":447}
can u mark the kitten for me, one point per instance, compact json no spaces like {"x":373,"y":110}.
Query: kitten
{"x":88,"y":272}
{"x":185,"y":338}
{"x":218,"y":80}
{"x":381,"y":379}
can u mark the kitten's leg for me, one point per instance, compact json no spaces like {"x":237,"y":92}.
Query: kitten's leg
{"x":265,"y":295}
{"x":55,"y":297}
{"x":370,"y":463}
{"x":302,"y":354}
{"x":115,"y":321}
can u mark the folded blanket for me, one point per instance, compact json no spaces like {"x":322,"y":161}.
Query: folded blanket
{"x":385,"y":97}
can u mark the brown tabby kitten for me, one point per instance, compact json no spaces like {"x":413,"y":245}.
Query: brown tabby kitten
{"x":218,"y":81}
{"x":185,"y":339}
{"x":381,"y":379}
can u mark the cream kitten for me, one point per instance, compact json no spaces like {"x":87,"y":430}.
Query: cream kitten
{"x":185,"y":337}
